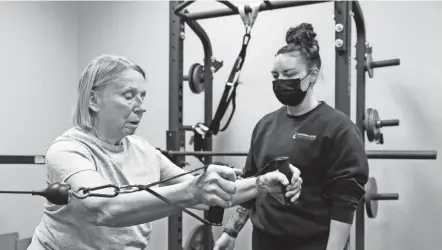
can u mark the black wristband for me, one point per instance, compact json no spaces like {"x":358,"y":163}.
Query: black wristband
{"x":232,"y":233}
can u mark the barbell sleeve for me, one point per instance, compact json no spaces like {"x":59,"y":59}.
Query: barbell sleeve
{"x":388,"y":123}
{"x":385,"y":63}
{"x":383,"y":197}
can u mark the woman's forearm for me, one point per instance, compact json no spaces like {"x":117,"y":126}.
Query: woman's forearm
{"x":246,"y":189}
{"x":142,"y":207}
{"x":338,"y":236}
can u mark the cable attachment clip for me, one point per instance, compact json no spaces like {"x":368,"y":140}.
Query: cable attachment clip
{"x":249,"y":13}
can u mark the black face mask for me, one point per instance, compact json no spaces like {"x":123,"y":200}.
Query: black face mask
{"x":288,"y":91}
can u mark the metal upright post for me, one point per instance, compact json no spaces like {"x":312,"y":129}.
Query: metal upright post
{"x":343,"y":56}
{"x":343,"y":59}
{"x":208,"y":108}
{"x":360,"y":110}
{"x":175,"y":135}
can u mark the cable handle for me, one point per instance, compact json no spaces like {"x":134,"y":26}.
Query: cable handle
{"x":215,"y":215}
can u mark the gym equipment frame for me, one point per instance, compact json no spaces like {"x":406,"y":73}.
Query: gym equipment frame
{"x":344,"y":11}
{"x":368,"y":121}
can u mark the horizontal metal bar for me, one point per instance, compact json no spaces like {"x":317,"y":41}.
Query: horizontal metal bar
{"x":371,"y":154}
{"x":263,"y":7}
{"x":402,"y":154}
{"x":187,"y":128}
{"x":22,"y":159}
{"x":203,"y":153}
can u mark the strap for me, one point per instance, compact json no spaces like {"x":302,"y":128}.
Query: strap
{"x":248,"y":14}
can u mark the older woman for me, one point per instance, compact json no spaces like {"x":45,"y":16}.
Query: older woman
{"x":102,"y":149}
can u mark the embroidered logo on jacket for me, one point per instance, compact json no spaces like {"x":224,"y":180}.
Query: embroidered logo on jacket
{"x":302,"y":136}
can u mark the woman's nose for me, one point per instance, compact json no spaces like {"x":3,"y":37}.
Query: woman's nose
{"x":140,"y":106}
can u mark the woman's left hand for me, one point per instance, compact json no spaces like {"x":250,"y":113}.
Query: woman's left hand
{"x":295,"y":186}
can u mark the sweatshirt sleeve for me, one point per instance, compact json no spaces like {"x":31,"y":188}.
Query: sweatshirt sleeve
{"x":347,"y":173}
{"x":250,"y":169}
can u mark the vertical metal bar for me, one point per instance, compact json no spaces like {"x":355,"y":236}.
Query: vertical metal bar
{"x":360,"y":110}
{"x":208,"y":98}
{"x":343,"y":60}
{"x":208,"y":109}
{"x":175,"y":136}
{"x":343,"y":56}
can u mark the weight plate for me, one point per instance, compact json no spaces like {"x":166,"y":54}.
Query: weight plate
{"x":377,"y":130}
{"x":369,"y":61}
{"x":370,"y":123}
{"x":196,"y":81}
{"x":371,"y":189}
{"x":195,"y":241}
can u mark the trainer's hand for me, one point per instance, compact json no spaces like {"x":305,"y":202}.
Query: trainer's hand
{"x":225,"y":242}
{"x":294,"y":189}
{"x":215,"y":187}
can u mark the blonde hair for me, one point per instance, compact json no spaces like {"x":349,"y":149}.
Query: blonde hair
{"x":100,"y":71}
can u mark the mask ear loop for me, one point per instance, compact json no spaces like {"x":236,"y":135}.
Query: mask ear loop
{"x":320,"y":75}
{"x":318,"y":78}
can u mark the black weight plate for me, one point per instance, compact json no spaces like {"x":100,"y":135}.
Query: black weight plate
{"x":196,"y":83}
{"x":371,"y":189}
{"x":195,"y":241}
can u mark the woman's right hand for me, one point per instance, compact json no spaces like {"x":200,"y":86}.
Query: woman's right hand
{"x":215,"y":187}
{"x":225,"y":242}
{"x":276,"y":183}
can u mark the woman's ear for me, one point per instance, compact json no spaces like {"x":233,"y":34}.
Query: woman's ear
{"x":94,"y":101}
{"x":314,"y":75}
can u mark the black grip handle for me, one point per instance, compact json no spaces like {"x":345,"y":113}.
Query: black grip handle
{"x":215,"y":215}
{"x":282,"y":164}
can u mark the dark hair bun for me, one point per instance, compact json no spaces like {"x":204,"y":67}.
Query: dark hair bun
{"x":302,"y":35}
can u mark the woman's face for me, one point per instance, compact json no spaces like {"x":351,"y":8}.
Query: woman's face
{"x":290,"y":66}
{"x":119,"y":106}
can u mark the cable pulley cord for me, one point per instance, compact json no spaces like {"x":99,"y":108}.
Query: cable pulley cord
{"x":59,"y":193}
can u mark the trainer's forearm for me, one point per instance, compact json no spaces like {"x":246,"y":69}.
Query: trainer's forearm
{"x":238,"y":219}
{"x":142,"y":207}
{"x":338,"y":236}
{"x":246,"y":189}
